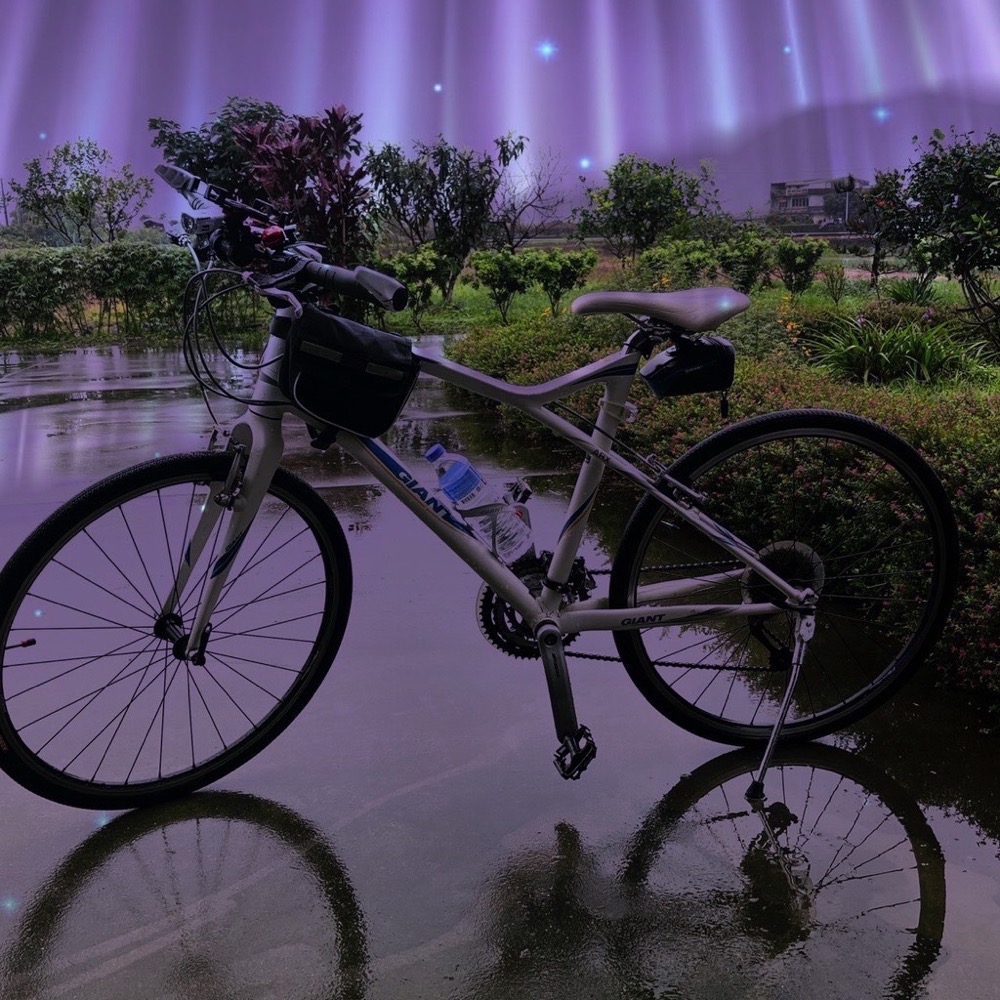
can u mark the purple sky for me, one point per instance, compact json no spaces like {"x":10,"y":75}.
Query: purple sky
{"x":769,"y":89}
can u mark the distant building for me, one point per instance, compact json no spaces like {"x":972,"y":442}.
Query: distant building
{"x":805,"y":200}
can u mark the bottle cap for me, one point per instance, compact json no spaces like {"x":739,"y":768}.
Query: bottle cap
{"x":434,"y":452}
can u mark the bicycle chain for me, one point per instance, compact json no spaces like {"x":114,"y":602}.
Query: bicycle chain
{"x":607,"y":658}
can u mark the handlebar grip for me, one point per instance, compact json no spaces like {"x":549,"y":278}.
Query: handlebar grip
{"x":179,"y":180}
{"x":387,"y":291}
{"x":362,"y":283}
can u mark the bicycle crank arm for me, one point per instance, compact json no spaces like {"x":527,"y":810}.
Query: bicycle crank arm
{"x":576,"y":745}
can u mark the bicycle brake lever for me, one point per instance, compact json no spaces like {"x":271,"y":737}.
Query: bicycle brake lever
{"x":271,"y":287}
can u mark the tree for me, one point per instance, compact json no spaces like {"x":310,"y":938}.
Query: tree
{"x":211,"y":151}
{"x":526,"y":203}
{"x":953,"y":211}
{"x":844,"y":186}
{"x":77,"y":196}
{"x":442,"y":195}
{"x":306,"y":168}
{"x":797,"y":261}
{"x":642,"y":203}
{"x":881,"y":214}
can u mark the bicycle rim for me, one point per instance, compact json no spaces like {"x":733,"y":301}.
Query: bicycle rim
{"x":100,"y":711}
{"x":831,"y":502}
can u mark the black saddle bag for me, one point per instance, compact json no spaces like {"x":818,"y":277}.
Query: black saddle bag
{"x":346,"y":374}
{"x":704,"y":365}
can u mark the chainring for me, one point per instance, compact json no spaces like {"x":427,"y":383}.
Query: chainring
{"x":506,"y":628}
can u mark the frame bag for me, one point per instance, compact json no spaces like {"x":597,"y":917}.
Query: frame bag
{"x":346,"y":374}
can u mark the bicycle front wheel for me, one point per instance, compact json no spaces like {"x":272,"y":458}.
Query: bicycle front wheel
{"x":99,"y":711}
{"x":829,"y":501}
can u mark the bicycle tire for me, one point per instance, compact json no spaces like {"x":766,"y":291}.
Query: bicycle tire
{"x":860,"y":833}
{"x":99,"y":712}
{"x":831,"y":500}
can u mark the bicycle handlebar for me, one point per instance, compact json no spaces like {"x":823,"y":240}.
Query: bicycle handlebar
{"x":362,"y":282}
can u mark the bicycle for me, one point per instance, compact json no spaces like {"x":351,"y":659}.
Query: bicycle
{"x":777,"y":582}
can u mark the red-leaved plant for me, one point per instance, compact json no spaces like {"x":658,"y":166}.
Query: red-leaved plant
{"x":307,"y":167}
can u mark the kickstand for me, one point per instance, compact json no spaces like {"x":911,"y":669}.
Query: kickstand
{"x":804,"y":630}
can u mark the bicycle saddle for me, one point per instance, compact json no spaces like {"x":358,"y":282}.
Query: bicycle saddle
{"x":693,"y":309}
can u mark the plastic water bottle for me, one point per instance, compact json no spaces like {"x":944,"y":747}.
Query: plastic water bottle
{"x":503,"y":524}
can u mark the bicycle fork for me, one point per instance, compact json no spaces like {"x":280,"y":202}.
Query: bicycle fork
{"x":255,"y":451}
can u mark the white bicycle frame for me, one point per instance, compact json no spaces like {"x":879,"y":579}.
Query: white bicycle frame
{"x":257,"y":441}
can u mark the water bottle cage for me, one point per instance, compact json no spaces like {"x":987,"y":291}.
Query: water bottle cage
{"x":493,"y":511}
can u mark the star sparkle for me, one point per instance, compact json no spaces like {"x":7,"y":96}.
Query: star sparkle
{"x":546,"y":50}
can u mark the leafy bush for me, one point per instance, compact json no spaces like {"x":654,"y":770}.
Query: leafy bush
{"x":918,"y":291}
{"x":560,"y":271}
{"x":310,"y":168}
{"x":421,"y":270}
{"x":747,"y":258}
{"x":835,"y":281}
{"x":138,"y":286}
{"x":503,"y":273}
{"x":797,"y":260}
{"x":862,"y":352}
{"x":887,"y":314}
{"x":678,"y":264}
{"x":42,"y":292}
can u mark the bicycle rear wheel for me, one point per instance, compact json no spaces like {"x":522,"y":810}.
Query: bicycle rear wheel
{"x":99,"y":712}
{"x":829,"y":501}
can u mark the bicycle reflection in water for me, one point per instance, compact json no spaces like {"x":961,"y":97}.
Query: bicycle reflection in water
{"x":219,"y":895}
{"x":835,"y":889}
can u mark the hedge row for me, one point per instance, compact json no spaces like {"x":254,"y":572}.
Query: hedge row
{"x":958,"y":431}
{"x":127,"y":287}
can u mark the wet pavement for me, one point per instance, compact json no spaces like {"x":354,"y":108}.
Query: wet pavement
{"x":408,"y":835}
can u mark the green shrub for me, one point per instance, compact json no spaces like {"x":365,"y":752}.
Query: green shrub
{"x":887,"y":314}
{"x":834,"y":280}
{"x":859,"y":351}
{"x":678,"y":264}
{"x":138,"y":287}
{"x":560,"y":271}
{"x":421,"y":270}
{"x":746,"y":259}
{"x":797,"y":260}
{"x":43,"y":291}
{"x":504,"y":274}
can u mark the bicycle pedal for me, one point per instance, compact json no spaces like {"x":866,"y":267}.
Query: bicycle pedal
{"x":575,"y":753}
